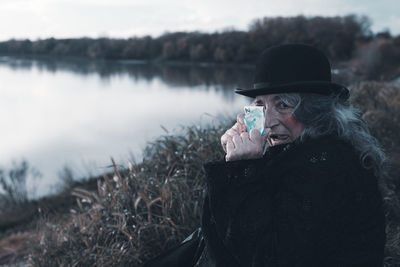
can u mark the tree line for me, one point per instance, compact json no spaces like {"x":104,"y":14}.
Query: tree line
{"x":336,"y":36}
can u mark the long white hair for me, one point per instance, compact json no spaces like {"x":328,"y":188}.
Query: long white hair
{"x":324,"y":115}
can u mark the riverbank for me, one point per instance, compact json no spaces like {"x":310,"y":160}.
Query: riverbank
{"x":171,"y":162}
{"x":133,"y":213}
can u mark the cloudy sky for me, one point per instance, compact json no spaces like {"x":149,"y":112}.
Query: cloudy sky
{"x":125,"y":18}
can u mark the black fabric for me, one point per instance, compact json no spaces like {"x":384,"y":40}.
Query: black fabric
{"x":185,"y":254}
{"x":292,"y":68}
{"x":305,"y":203}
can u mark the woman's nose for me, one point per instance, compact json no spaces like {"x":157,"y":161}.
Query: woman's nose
{"x":270,"y":118}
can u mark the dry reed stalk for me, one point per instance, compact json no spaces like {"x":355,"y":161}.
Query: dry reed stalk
{"x":154,"y":205}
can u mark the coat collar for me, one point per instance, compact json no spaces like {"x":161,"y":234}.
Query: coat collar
{"x":279,"y":150}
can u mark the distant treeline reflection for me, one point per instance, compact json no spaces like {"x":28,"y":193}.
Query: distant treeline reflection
{"x":174,"y":75}
{"x":336,"y":36}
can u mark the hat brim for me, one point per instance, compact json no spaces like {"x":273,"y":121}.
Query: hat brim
{"x":316,"y":87}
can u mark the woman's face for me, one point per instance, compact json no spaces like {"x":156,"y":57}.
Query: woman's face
{"x":280,"y":124}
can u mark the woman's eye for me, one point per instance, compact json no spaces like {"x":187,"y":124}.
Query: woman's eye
{"x":282,"y":105}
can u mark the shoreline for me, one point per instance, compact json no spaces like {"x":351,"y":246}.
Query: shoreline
{"x":127,"y":61}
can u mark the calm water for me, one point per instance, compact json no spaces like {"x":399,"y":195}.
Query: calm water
{"x":79,"y":113}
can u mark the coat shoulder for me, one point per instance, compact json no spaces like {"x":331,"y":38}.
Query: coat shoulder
{"x":325,"y":152}
{"x":327,"y":162}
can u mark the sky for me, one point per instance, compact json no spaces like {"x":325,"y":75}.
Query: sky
{"x":35,"y":19}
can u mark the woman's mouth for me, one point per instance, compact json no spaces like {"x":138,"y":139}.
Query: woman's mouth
{"x":279,"y":137}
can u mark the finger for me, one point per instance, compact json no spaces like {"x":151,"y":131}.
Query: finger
{"x":224,"y":139}
{"x":240,"y":118}
{"x":255,"y":136}
{"x":245,"y":136}
{"x":241,"y":124}
{"x":229,"y":147}
{"x":235,"y":130}
{"x":245,"y":140}
{"x":242,"y":128}
{"x":237,"y":141}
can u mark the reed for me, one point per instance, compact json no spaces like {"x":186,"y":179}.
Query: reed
{"x":144,"y":209}
{"x":139,"y":211}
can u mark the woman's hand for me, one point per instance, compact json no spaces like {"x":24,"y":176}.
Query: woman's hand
{"x":238,"y":144}
{"x":236,"y":129}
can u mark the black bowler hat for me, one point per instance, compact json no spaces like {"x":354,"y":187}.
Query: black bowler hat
{"x":293,"y":68}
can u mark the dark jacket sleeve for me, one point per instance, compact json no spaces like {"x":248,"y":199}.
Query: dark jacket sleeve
{"x":236,"y":210}
{"x":319,"y":208}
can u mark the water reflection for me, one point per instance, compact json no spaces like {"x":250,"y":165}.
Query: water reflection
{"x":173,"y":74}
{"x":80,"y":113}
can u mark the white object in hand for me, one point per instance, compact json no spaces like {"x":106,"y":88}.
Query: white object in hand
{"x":254,"y":118}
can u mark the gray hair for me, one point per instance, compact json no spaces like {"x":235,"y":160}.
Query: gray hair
{"x":324,"y":115}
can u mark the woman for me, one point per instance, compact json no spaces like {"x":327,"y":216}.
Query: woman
{"x":303,"y":194}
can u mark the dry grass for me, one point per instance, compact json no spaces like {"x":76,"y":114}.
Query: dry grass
{"x":137,"y":213}
{"x":380,"y":103}
{"x":149,"y":207}
{"x":14,"y":247}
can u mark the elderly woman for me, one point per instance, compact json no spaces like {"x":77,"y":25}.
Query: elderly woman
{"x":303,"y":194}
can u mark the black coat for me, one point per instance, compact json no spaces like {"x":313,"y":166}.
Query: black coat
{"x":305,"y":203}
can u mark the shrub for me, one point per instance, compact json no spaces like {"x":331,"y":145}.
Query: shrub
{"x":378,"y":59}
{"x":139,"y":212}
{"x":14,"y":184}
{"x":380,"y":103}
{"x":152,"y":206}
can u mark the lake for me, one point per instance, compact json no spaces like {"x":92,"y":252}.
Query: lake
{"x":76,"y":113}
